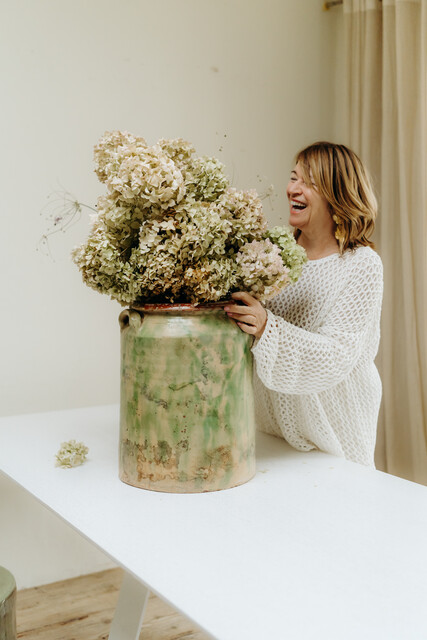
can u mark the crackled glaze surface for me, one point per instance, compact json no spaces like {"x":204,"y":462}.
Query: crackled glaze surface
{"x":186,"y":413}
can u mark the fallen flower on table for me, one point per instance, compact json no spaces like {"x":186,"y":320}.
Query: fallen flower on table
{"x":71,"y":454}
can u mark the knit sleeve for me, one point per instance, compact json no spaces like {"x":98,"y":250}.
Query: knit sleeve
{"x":296,"y":361}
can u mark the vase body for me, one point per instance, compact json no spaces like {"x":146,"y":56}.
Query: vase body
{"x":186,"y":406}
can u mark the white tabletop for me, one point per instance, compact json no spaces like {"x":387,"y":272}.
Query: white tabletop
{"x":314,"y":547}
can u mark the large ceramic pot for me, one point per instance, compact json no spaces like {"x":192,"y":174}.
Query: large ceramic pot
{"x":186,"y":414}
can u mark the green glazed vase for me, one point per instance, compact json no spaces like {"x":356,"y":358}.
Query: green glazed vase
{"x":186,"y":404}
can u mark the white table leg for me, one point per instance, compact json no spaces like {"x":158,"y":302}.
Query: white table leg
{"x":127,"y":621}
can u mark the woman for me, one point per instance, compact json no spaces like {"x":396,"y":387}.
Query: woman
{"x":316,"y":384}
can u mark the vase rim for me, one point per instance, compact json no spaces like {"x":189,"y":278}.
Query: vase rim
{"x":179,"y":306}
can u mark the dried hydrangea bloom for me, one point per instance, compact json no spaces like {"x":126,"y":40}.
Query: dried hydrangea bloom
{"x":210,"y":280}
{"x":205,"y":232}
{"x":205,"y":179}
{"x":160,"y":277}
{"x":149,"y":176}
{"x":155,"y":232}
{"x":121,"y":220}
{"x":262,"y":271}
{"x":178,"y":150}
{"x":111,"y":150}
{"x":244,"y":210}
{"x":71,"y":454}
{"x":192,"y":231}
{"x":293,"y":255}
{"x":105,"y":268}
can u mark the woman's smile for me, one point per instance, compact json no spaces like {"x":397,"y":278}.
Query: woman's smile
{"x":297,"y":205}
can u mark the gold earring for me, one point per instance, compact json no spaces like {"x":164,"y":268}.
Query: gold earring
{"x":339,"y":231}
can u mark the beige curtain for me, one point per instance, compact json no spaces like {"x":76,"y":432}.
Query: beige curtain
{"x":386,"y":46}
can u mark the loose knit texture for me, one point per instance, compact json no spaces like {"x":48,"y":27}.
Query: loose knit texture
{"x":316,"y":384}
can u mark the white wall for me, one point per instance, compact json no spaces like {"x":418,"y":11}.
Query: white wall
{"x":255,"y":78}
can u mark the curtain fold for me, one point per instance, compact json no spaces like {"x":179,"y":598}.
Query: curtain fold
{"x":387,"y":121}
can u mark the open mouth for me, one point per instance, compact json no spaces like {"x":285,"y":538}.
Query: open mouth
{"x":298,"y":206}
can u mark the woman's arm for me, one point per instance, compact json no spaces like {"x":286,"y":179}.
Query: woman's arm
{"x":293,"y":360}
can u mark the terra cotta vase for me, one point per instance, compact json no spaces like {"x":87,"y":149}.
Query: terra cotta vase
{"x":186,"y":411}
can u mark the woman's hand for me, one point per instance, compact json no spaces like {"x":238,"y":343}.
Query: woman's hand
{"x":251,"y":316}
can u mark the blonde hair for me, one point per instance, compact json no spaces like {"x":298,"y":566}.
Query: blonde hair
{"x":340,"y":176}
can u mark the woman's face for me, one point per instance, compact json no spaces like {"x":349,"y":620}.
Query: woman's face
{"x":308,"y":209}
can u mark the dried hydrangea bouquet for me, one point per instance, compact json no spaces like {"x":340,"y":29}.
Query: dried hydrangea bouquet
{"x":172,"y":239}
{"x":171,"y":229}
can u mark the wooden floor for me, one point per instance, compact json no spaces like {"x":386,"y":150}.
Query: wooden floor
{"x":82,"y":609}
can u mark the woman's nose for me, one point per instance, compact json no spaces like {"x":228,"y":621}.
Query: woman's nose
{"x":294,"y":187}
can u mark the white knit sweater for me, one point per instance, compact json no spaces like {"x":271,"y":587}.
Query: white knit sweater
{"x":316,"y":384}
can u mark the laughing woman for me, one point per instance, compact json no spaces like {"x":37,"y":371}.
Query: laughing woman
{"x":316,"y":384}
